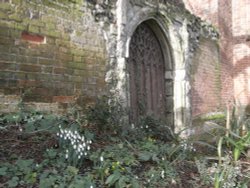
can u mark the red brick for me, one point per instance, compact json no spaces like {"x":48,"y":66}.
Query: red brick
{"x":30,"y":68}
{"x":64,"y":99}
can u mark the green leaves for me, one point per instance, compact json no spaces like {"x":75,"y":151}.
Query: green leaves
{"x":24,"y":165}
{"x":145,"y":156}
{"x":3,"y":171}
{"x":113,"y":178}
{"x":13,"y":182}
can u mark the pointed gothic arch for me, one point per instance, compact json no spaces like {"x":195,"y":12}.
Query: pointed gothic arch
{"x":149,"y":68}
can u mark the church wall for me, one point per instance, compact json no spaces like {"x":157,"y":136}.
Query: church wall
{"x":52,"y":55}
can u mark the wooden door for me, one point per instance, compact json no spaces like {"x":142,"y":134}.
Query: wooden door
{"x":146,"y":74}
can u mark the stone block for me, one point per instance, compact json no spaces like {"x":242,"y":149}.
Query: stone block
{"x":64,"y":99}
{"x":169,"y":104}
{"x":169,"y":88}
{"x":7,"y":57}
{"x":46,"y":61}
{"x":29,"y":68}
{"x":4,"y":32}
{"x":7,"y":66}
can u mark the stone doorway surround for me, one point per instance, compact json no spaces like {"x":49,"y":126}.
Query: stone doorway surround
{"x":173,"y":37}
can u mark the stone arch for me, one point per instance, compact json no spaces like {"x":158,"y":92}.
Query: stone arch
{"x":171,"y":37}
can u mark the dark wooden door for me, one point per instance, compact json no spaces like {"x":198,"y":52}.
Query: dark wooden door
{"x":146,"y":74}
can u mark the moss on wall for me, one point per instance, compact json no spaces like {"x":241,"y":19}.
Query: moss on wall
{"x":54,"y":49}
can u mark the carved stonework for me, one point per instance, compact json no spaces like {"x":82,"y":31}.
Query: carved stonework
{"x":155,"y":2}
{"x":102,"y":10}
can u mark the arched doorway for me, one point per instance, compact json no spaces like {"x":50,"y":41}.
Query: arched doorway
{"x":146,"y":68}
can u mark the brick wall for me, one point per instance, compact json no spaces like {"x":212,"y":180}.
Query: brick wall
{"x":205,"y":82}
{"x":232,"y":18}
{"x":241,"y":50}
{"x":52,"y":54}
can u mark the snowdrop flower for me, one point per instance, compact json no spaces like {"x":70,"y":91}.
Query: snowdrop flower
{"x":132,"y":126}
{"x":101,"y":159}
{"x":146,"y":126}
{"x":162,"y":174}
{"x":91,"y":186}
{"x":85,"y":153}
{"x":173,"y":181}
{"x":66,"y":156}
{"x":88,"y":148}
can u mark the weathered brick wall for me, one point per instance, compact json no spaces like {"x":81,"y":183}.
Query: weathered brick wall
{"x":52,"y":54}
{"x":232,"y":18}
{"x":241,"y":50}
{"x":205,"y":83}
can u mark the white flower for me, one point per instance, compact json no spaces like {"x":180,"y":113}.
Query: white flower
{"x":162,"y":174}
{"x":57,"y":134}
{"x":66,"y":156}
{"x":101,"y":159}
{"x":79,"y":156}
{"x":74,"y":146}
{"x":146,"y":126}
{"x":85,"y":153}
{"x":91,"y":186}
{"x":90,"y":141}
{"x":88,"y":148}
{"x":20,"y":129}
{"x":132,"y":126}
{"x":173,"y":181}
